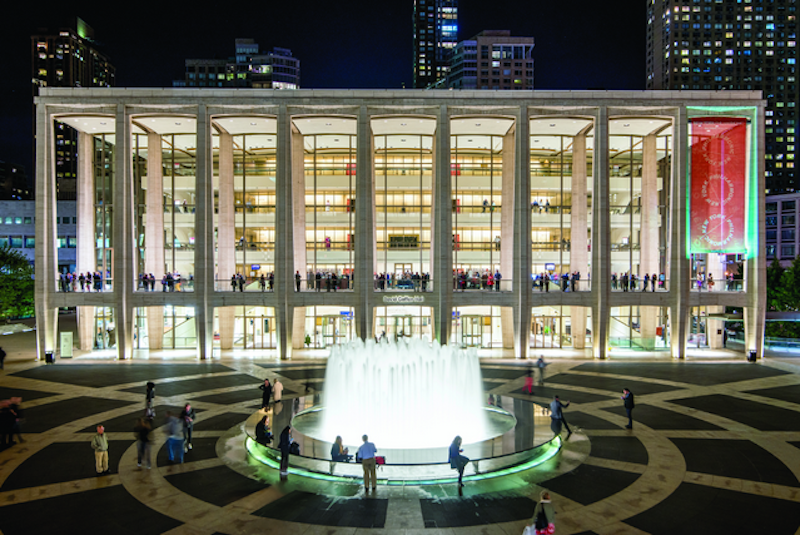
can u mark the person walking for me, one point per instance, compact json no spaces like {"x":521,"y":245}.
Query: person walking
{"x":277,"y":391}
{"x":366,"y":452}
{"x":528,"y":388}
{"x":188,"y":417}
{"x":541,"y":364}
{"x":457,"y":461}
{"x":142,"y":431}
{"x":627,"y":398}
{"x":544,"y":516}
{"x":150,"y":395}
{"x":557,"y":413}
{"x":100,"y":447}
{"x":266,"y":393}
{"x":285,"y":445}
{"x":175,"y":440}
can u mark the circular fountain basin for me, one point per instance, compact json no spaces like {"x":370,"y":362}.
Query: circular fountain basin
{"x":517,"y":437}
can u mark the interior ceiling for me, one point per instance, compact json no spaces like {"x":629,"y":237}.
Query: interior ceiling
{"x":487,"y":126}
{"x":415,"y":126}
{"x":247,"y":125}
{"x":309,"y":126}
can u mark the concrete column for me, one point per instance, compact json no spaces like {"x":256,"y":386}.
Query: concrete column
{"x":226,"y":229}
{"x":579,"y":234}
{"x":507,"y":243}
{"x":204,"y":237}
{"x":756,"y":266}
{"x":522,"y":234}
{"x":46,"y":252}
{"x":284,"y":235}
{"x":123,"y":241}
{"x":442,"y":227}
{"x":299,"y":234}
{"x":85,"y":255}
{"x":679,"y":284}
{"x":601,"y":244}
{"x":649,"y":253}
{"x":154,"y":234}
{"x":365,"y":225}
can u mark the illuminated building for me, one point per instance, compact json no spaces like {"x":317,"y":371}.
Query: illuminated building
{"x":305,"y":185}
{"x":435,"y":37}
{"x":493,"y":59}
{"x":744,"y":45}
{"x":277,"y":69}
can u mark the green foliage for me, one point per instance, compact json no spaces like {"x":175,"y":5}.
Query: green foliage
{"x":16,"y":285}
{"x":783,"y":295}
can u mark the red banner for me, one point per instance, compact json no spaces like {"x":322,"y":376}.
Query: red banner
{"x":718,"y":181}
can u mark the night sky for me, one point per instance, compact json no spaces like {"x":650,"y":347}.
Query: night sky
{"x":580,"y":44}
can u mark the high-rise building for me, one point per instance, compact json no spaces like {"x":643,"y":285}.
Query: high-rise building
{"x":68,"y":57}
{"x":747,"y":44}
{"x":277,"y":69}
{"x":13,"y":182}
{"x":435,"y":37}
{"x":493,"y":59}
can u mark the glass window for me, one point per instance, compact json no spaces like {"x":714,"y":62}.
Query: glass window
{"x":787,"y":220}
{"x":8,"y":220}
{"x":787,"y":205}
{"x":17,"y":220}
{"x":770,"y":250}
{"x":3,"y":241}
{"x":61,"y":242}
{"x":16,"y":242}
{"x":772,"y":234}
{"x":771,"y":221}
{"x":771,"y":207}
{"x":787,"y":251}
{"x":787,"y":234}
{"x":27,"y":220}
{"x":30,"y":242}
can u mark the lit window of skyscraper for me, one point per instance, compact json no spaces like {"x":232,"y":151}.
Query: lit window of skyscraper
{"x":435,"y":37}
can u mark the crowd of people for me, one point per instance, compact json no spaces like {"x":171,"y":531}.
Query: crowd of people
{"x":566,"y":282}
{"x":629,"y":282}
{"x":407,"y":280}
{"x":464,"y":280}
{"x":170,"y":282}
{"x":86,"y":282}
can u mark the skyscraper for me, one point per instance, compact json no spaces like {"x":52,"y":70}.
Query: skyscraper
{"x":68,"y":57}
{"x":493,"y":59}
{"x":435,"y":37}
{"x":742,"y":45}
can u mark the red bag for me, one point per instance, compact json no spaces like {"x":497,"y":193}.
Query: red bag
{"x":380,"y":459}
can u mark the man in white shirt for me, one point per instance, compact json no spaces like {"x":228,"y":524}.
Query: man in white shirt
{"x":367,"y":453}
{"x":277,"y":391}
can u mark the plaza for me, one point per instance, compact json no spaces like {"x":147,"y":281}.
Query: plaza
{"x":221,"y":222}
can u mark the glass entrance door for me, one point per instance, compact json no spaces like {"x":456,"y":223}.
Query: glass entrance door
{"x":402,"y":327}
{"x":545,"y":331}
{"x":335,"y":329}
{"x":472,"y":330}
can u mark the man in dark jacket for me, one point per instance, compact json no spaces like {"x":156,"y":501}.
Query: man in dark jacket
{"x":188,"y":417}
{"x":627,"y":398}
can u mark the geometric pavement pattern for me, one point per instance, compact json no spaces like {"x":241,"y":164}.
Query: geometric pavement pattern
{"x":715,"y":448}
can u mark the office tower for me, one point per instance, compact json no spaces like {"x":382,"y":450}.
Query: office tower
{"x":68,"y":57}
{"x":742,"y":45}
{"x":493,"y":59}
{"x":435,"y":37}
{"x":277,"y":69}
{"x":13,"y":182}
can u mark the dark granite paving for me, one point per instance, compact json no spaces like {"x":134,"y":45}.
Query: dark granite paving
{"x":740,"y":459}
{"x":60,"y":462}
{"x":298,"y":375}
{"x":229,"y":398}
{"x":588,"y":484}
{"x":219,"y":485}
{"x":504,"y":373}
{"x":202,"y":449}
{"x":795,"y":444}
{"x":658,"y":418}
{"x":685,"y":372}
{"x":625,"y":449}
{"x":109,"y":510}
{"x":475,"y":510}
{"x":327,"y":511}
{"x":177,"y":388}
{"x":45,"y":417}
{"x":783,"y":393}
{"x":611,"y":384}
{"x":101,"y":375}
{"x":26,"y":395}
{"x":587,"y":421}
{"x":123,"y":423}
{"x":757,"y":415}
{"x":564,"y":394}
{"x":220,"y":422}
{"x":700,"y":510}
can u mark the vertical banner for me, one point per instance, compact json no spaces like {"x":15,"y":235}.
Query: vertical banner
{"x":718,"y":182}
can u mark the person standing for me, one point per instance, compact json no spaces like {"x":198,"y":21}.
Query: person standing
{"x":150,"y":395}
{"x":266,"y":393}
{"x":2,"y":359}
{"x":188,"y":416}
{"x":285,"y":445}
{"x":366,"y":452}
{"x":175,"y":440}
{"x":142,"y":431}
{"x":557,"y":413}
{"x":16,"y":412}
{"x":541,"y":364}
{"x":497,"y":278}
{"x":277,"y":390}
{"x":627,"y":398}
{"x":457,"y":461}
{"x":528,"y":388}
{"x":297,"y":279}
{"x":544,"y":516}
{"x":100,"y":447}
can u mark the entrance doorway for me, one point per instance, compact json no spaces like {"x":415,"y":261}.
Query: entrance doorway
{"x":259,"y":332}
{"x":546,"y":331}
{"x":472,"y":330}
{"x":336,"y":329}
{"x":401,"y":327}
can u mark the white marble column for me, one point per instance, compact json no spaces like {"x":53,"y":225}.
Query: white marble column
{"x":522,"y":234}
{"x":204,"y":236}
{"x":226,"y":244}
{"x":443,"y":229}
{"x":85,"y":255}
{"x":579,"y":234}
{"x":299,"y":232}
{"x":679,"y":284}
{"x":284,"y":235}
{"x":601,"y":244}
{"x":154,"y":234}
{"x":756,"y":266}
{"x":507,"y":242}
{"x":365,"y":225}
{"x":649,"y":253}
{"x":123,"y":242}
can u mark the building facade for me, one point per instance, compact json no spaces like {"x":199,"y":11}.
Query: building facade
{"x":272,"y":220}
{"x":13,"y":182}
{"x":435,"y":37}
{"x":743,"y":45}
{"x":782,"y":230}
{"x":68,"y":57}
{"x":493,"y":59}
{"x":277,"y":69}
{"x":18,"y":231}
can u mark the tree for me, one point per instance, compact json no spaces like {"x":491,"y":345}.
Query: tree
{"x":16,"y":285}
{"x":783,"y":295}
